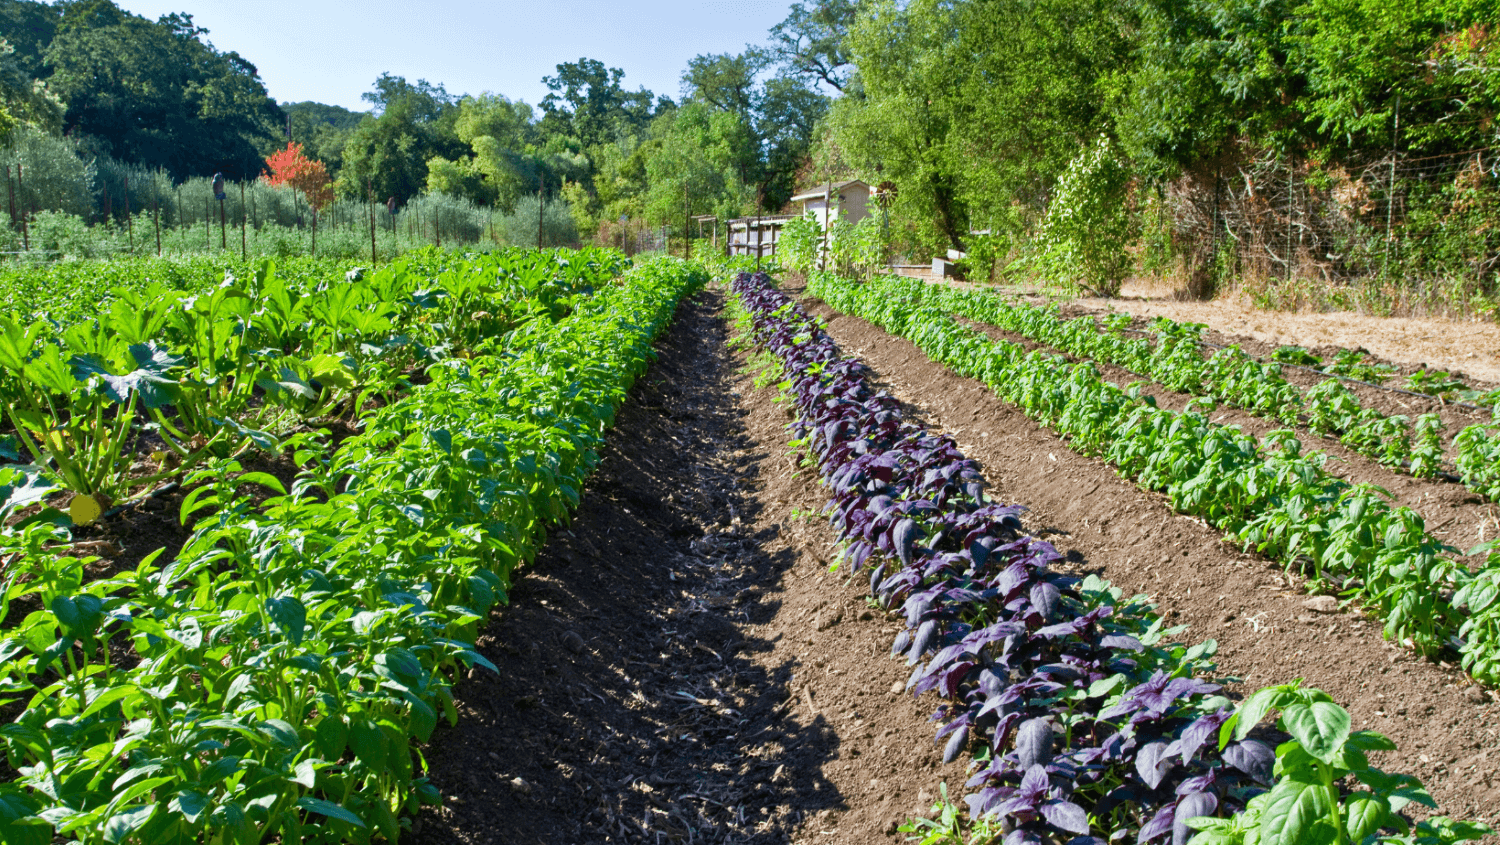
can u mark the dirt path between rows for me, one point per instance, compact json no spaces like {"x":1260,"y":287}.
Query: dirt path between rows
{"x":679,"y":665}
{"x":1445,"y":728}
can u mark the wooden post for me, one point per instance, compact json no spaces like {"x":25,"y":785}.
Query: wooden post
{"x":314,"y":231}
{"x":1291,"y":185}
{"x":757,"y":237}
{"x":10,"y":188}
{"x":686,"y":252}
{"x":129,"y":223}
{"x":208,"y":236}
{"x":25,"y":226}
{"x":156,"y":218}
{"x":370,"y":198}
{"x":1390,"y":190}
{"x":827,"y":224}
{"x":540,"y":201}
{"x":223,"y":228}
{"x":244,"y":241}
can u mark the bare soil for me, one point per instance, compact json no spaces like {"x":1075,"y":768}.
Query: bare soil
{"x":680,"y":665}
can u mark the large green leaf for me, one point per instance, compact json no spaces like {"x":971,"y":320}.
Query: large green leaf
{"x":329,"y":809}
{"x":1297,"y":814}
{"x":1321,"y":728}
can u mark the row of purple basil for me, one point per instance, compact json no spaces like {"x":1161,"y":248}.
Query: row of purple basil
{"x":1086,"y":727}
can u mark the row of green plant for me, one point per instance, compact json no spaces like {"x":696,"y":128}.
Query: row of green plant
{"x":1356,"y":364}
{"x":270,"y":681}
{"x":1176,"y":361}
{"x":68,"y":292}
{"x":1266,"y":494}
{"x":216,"y":372}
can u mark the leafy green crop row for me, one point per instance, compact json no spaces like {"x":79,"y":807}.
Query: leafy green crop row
{"x":1266,"y":494}
{"x":1231,"y":376}
{"x":204,"y":374}
{"x":267,"y":683}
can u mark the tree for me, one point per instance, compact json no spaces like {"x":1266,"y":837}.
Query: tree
{"x":290,"y":167}
{"x":812,"y":42}
{"x":156,"y":94}
{"x":23,"y":100}
{"x":780,"y":113}
{"x":901,"y":128}
{"x":702,"y":160}
{"x":588,"y":103}
{"x":322,"y":130}
{"x":389,"y":150}
{"x":725,"y":81}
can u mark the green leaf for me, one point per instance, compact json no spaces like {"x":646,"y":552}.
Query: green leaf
{"x":306,"y":774}
{"x":109,"y":696}
{"x":1366,"y":814}
{"x":282,"y":733}
{"x":1320,"y":727}
{"x":264,"y":479}
{"x":331,"y":737}
{"x":329,"y":809}
{"x":289,"y":616}
{"x":423,"y":719}
{"x":368,"y":743}
{"x":1297,"y":814}
{"x":192,"y":804}
{"x":121,"y":825}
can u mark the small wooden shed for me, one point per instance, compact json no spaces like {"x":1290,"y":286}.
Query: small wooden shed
{"x":834,"y":201}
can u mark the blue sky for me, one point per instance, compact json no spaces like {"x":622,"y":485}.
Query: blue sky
{"x":331,"y":52}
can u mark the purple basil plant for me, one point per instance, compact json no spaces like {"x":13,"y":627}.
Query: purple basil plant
{"x":1073,"y":715}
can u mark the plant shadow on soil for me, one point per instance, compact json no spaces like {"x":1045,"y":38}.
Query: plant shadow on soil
{"x":630,"y":705}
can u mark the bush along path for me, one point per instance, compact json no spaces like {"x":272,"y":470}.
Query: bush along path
{"x":1264,"y":493}
{"x":1089,"y":726}
{"x":1230,"y":376}
{"x":269,"y":681}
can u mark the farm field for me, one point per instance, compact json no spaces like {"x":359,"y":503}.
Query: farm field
{"x":678,"y":660}
{"x":795,"y":685}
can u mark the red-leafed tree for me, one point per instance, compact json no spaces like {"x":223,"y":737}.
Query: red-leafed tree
{"x":292,"y":168}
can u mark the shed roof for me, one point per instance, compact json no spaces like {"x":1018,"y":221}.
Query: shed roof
{"x":826,"y":188}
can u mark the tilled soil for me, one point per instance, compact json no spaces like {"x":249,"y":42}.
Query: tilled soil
{"x":681,"y":665}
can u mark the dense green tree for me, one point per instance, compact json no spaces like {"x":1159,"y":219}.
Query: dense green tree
{"x":588,"y":103}
{"x":901,"y":128}
{"x":29,"y":26}
{"x":387,"y":153}
{"x":780,"y":114}
{"x":157,"y":94}
{"x":702,"y":165}
{"x":322,"y":130}
{"x":24,"y":100}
